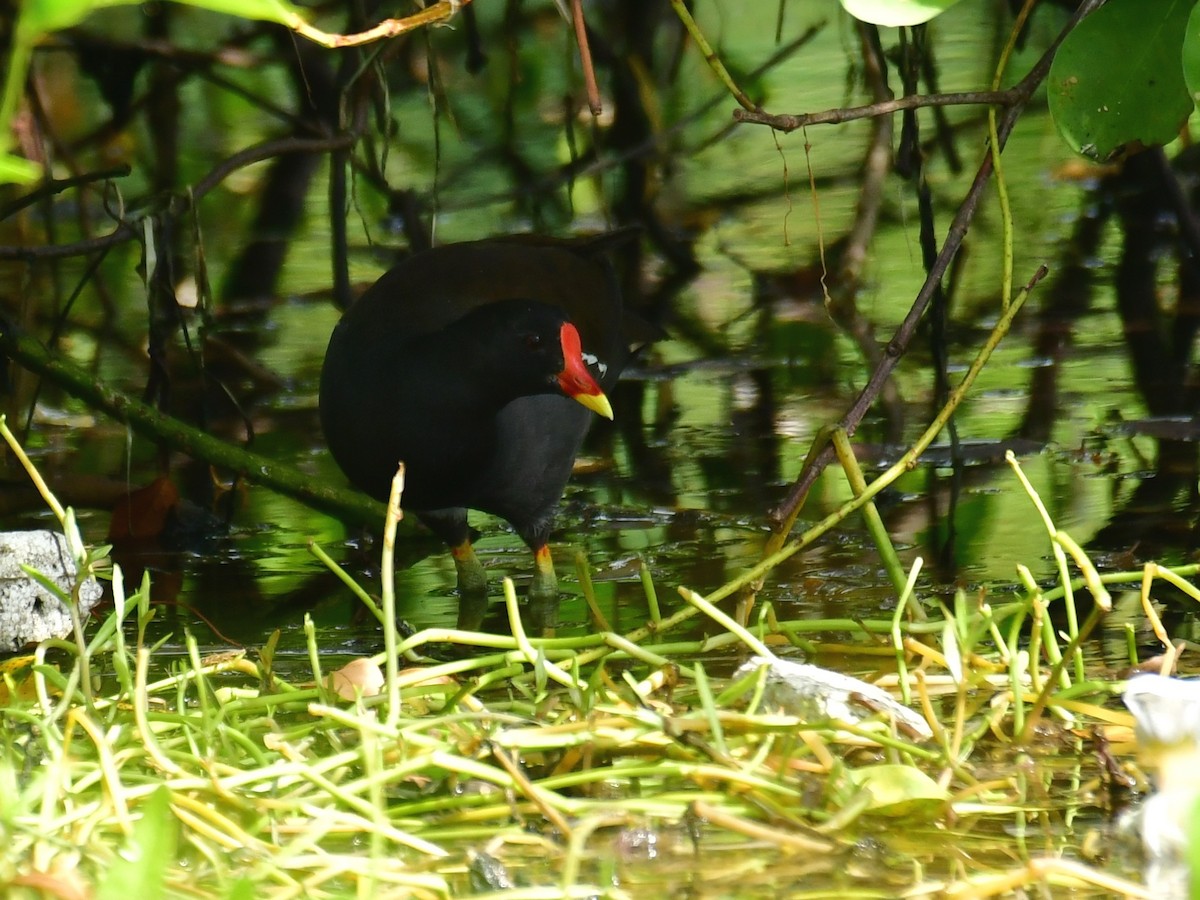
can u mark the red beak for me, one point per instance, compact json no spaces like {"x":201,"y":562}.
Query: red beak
{"x":575,"y":380}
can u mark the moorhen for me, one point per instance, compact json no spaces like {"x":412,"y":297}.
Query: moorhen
{"x":479,"y":365}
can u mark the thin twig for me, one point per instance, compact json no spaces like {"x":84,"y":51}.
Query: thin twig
{"x":52,"y":186}
{"x":387,"y":574}
{"x":585,"y":57}
{"x":710,"y":56}
{"x":435,"y":14}
{"x":785,"y":122}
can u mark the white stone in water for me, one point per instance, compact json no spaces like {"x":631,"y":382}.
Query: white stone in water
{"x":811,"y":692}
{"x":28,"y":612}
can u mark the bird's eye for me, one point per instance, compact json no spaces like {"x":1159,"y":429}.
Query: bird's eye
{"x":533,"y":341}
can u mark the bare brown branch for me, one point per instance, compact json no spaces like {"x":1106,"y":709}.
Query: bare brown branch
{"x":785,"y":122}
{"x":585,"y":57}
{"x":434,"y":14}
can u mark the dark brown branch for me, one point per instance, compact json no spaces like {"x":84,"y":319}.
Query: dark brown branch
{"x":266,"y":150}
{"x":843,"y":297}
{"x":52,"y":186}
{"x":784,"y":122}
{"x":783,"y":514}
{"x":123,"y":232}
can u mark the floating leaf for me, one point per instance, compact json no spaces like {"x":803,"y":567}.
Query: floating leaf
{"x":896,"y":12}
{"x":898,"y":790}
{"x":1117,"y":81}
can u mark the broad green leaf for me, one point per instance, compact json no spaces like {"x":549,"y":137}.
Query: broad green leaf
{"x":896,"y":12}
{"x":141,"y":867}
{"x":898,"y":790}
{"x":39,"y":17}
{"x":1191,"y":54}
{"x":1117,"y":81}
{"x":268,"y":10}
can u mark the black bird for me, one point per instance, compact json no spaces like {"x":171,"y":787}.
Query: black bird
{"x":480,"y":365}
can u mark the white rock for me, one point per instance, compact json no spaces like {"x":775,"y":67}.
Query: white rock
{"x":813,"y":693}
{"x":28,"y":612}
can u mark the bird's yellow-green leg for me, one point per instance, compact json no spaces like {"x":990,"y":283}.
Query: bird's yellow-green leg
{"x":545,"y":583}
{"x":541,"y":616}
{"x":472,"y":579}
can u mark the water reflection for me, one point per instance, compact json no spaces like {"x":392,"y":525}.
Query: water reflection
{"x":1093,"y":390}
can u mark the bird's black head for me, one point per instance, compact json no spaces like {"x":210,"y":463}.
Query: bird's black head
{"x":533,"y":345}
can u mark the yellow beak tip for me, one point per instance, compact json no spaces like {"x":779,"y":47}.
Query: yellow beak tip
{"x":597,"y":403}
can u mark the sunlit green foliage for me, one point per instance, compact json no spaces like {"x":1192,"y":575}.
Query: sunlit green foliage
{"x":37,"y":18}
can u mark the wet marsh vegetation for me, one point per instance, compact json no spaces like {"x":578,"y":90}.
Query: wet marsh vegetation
{"x":603,"y":764}
{"x":283,"y":701}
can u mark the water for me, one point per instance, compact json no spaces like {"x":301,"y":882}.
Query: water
{"x":723,"y":434}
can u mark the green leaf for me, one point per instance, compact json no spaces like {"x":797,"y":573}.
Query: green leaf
{"x":140,"y":869}
{"x":898,"y":790}
{"x":1117,"y":83}
{"x":267,"y":10}
{"x":1191,"y":54}
{"x":896,"y":12}
{"x":19,"y":170}
{"x":39,"y":17}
